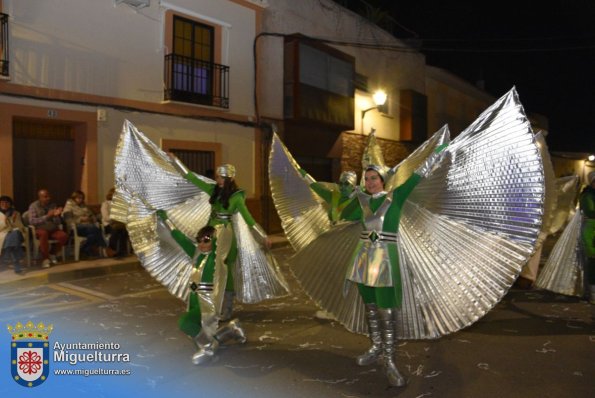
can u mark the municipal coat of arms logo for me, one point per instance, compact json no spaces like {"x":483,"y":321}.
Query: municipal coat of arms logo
{"x":30,"y":353}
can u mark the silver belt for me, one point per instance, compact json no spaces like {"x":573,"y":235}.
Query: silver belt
{"x":223,"y":216}
{"x":379,"y":236}
{"x":203,"y":287}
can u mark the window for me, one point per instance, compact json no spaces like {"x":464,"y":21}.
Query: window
{"x":200,"y":157}
{"x":319,"y":83}
{"x":3,"y":44}
{"x":201,"y":162}
{"x":191,"y":75}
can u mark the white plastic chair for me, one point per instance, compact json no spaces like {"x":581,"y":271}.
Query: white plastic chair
{"x":77,"y":241}
{"x":36,"y":243}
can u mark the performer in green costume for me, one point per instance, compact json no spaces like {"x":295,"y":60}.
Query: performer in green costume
{"x":375,"y":262}
{"x":226,"y":199}
{"x":337,"y":199}
{"x":201,"y":320}
{"x":587,"y":205}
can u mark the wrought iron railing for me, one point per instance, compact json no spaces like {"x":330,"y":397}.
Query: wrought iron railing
{"x":3,"y":44}
{"x":195,"y":81}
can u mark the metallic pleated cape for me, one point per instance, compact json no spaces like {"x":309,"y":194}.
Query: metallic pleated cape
{"x":551,"y":192}
{"x":567,"y":192}
{"x":402,"y":171}
{"x":563,"y":271}
{"x":465,"y":231}
{"x":146,"y":181}
{"x":303,"y":214}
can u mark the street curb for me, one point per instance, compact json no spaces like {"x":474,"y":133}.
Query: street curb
{"x":83,"y":269}
{"x":37,"y":277}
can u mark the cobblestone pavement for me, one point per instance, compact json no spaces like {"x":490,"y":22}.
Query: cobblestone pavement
{"x":532,"y":344}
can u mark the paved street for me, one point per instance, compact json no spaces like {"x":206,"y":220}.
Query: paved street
{"x":533,"y":344}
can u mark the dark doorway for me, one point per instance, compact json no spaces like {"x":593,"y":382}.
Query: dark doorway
{"x":43,"y":157}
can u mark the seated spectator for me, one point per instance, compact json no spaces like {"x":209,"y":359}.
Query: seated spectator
{"x":118,"y":236}
{"x":11,"y":237}
{"x":45,"y":216}
{"x":76,"y":212}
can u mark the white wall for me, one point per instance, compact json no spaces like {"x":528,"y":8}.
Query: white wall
{"x":237,"y":142}
{"x":390,"y":70}
{"x":95,"y":47}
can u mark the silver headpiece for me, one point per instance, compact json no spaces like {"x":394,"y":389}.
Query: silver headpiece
{"x":226,"y":170}
{"x":349,"y":177}
{"x":381,"y":170}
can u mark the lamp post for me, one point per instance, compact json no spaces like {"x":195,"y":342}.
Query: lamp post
{"x":379,"y":100}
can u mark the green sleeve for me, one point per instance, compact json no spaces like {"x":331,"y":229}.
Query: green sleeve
{"x":587,"y":203}
{"x":353,"y":211}
{"x":238,"y":202}
{"x":405,"y":189}
{"x":320,"y":190}
{"x":205,"y":186}
{"x":185,"y":243}
{"x":440,"y":148}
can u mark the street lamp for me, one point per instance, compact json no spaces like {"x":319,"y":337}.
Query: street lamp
{"x":379,"y":100}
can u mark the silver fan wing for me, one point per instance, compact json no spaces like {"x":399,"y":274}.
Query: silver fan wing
{"x":303,"y":214}
{"x":563,"y":271}
{"x":531,"y":267}
{"x":401,"y":172}
{"x":551,"y":193}
{"x":491,"y":177}
{"x":147,"y":181}
{"x":567,"y":192}
{"x":467,"y":229}
{"x":321,"y":267}
{"x":451,"y":274}
{"x":257,"y":275}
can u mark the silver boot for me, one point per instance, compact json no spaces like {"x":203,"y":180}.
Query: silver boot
{"x":230,"y":331}
{"x":389,"y":341}
{"x":207,"y":347}
{"x":205,"y":353}
{"x":373,"y":353}
{"x":227,"y":306}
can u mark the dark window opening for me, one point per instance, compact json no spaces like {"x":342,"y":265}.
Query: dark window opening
{"x":190,"y":72}
{"x":201,"y":162}
{"x":3,"y":44}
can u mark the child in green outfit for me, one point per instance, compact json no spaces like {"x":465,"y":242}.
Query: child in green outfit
{"x":201,"y":320}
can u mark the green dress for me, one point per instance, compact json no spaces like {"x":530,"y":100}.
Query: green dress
{"x":587,"y":205}
{"x":190,"y":322}
{"x":222,"y":216}
{"x":375,"y":262}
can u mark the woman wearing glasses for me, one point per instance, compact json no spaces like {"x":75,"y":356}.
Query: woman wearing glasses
{"x":227,"y":201}
{"x":201,"y":321}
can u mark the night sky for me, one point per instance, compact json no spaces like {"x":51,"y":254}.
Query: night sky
{"x":546,"y":50}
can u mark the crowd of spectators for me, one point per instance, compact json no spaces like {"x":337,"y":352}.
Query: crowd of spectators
{"x":51,"y":227}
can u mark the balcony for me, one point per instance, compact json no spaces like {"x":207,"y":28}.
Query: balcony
{"x":195,"y":81}
{"x":3,"y":45}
